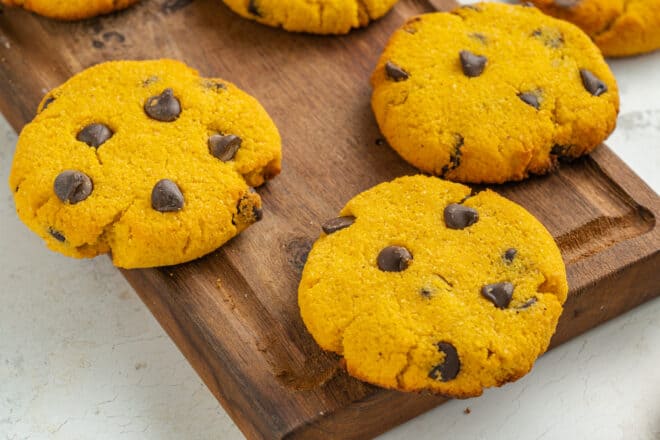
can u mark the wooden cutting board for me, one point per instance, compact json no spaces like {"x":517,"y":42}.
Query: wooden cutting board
{"x":234,"y":313}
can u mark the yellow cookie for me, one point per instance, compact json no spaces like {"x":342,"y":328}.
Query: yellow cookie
{"x":70,"y":9}
{"x":492,"y":93}
{"x":145,"y":160}
{"x":618,"y":27}
{"x":421,"y":286}
{"x":316,"y":17}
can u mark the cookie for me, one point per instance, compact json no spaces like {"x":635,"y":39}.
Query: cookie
{"x":145,"y":160}
{"x":70,"y":9}
{"x":492,"y":93}
{"x":421,"y":286}
{"x":618,"y":27}
{"x":317,"y":17}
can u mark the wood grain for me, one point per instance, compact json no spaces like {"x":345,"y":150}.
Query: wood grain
{"x":234,"y":313}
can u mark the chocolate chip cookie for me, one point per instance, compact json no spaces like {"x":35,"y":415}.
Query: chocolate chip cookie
{"x":317,"y":17}
{"x":421,"y":285}
{"x":145,"y":160}
{"x":70,"y":9}
{"x":618,"y":27}
{"x":492,"y":93}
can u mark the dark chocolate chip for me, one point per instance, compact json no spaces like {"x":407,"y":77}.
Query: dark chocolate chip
{"x":337,"y":224}
{"x":166,"y":196}
{"x":459,"y":216}
{"x":530,"y":302}
{"x":473,"y":64}
{"x":380,"y":142}
{"x":258,"y":213}
{"x":224,"y":147}
{"x":455,"y":156}
{"x":73,"y":186}
{"x":164,"y":107}
{"x":394,"y":259}
{"x":592,"y":83}
{"x":499,"y":294}
{"x":450,"y":367}
{"x":57,"y":235}
{"x":95,"y":135}
{"x":509,"y":255}
{"x":530,"y":99}
{"x":395,"y":72}
{"x":253,"y":8}
{"x":47,"y":102}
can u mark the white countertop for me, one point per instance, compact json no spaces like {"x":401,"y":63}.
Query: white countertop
{"x":82,"y":358}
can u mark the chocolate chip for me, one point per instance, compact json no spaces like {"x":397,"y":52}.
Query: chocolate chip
{"x":395,"y":72}
{"x":459,"y":216}
{"x":56,"y":235}
{"x":499,"y":294}
{"x":47,"y":102}
{"x":73,"y":186}
{"x":509,"y":255}
{"x":253,"y":9}
{"x":530,"y":99}
{"x":224,"y":147}
{"x":95,"y":135}
{"x":450,"y":367}
{"x":530,"y":302}
{"x":394,"y":259}
{"x":258,"y":213}
{"x":166,"y":196}
{"x":473,"y":65}
{"x":592,"y":83}
{"x":164,"y":107}
{"x":337,"y":224}
{"x":455,"y":156}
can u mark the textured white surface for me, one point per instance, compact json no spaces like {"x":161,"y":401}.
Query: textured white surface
{"x":82,"y":358}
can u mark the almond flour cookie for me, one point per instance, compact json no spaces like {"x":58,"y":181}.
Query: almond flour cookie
{"x":316,"y":17}
{"x":492,"y":93}
{"x":145,"y":160}
{"x":70,"y":9}
{"x":421,"y":286}
{"x":618,"y":27}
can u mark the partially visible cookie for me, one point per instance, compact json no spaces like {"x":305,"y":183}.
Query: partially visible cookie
{"x":145,"y":160}
{"x":422,"y":287}
{"x":492,"y":93}
{"x":70,"y":9}
{"x":618,"y":27}
{"x":316,"y":17}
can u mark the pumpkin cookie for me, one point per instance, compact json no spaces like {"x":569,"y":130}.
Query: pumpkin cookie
{"x":70,"y":9}
{"x":421,"y":286}
{"x":618,"y":27}
{"x":491,"y":93}
{"x":145,"y":160}
{"x":317,"y":17}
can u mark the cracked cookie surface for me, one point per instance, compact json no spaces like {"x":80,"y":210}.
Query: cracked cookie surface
{"x":421,"y":286}
{"x":618,"y":27}
{"x":70,"y":9}
{"x":145,"y":160}
{"x":316,"y":17}
{"x":492,"y":93}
